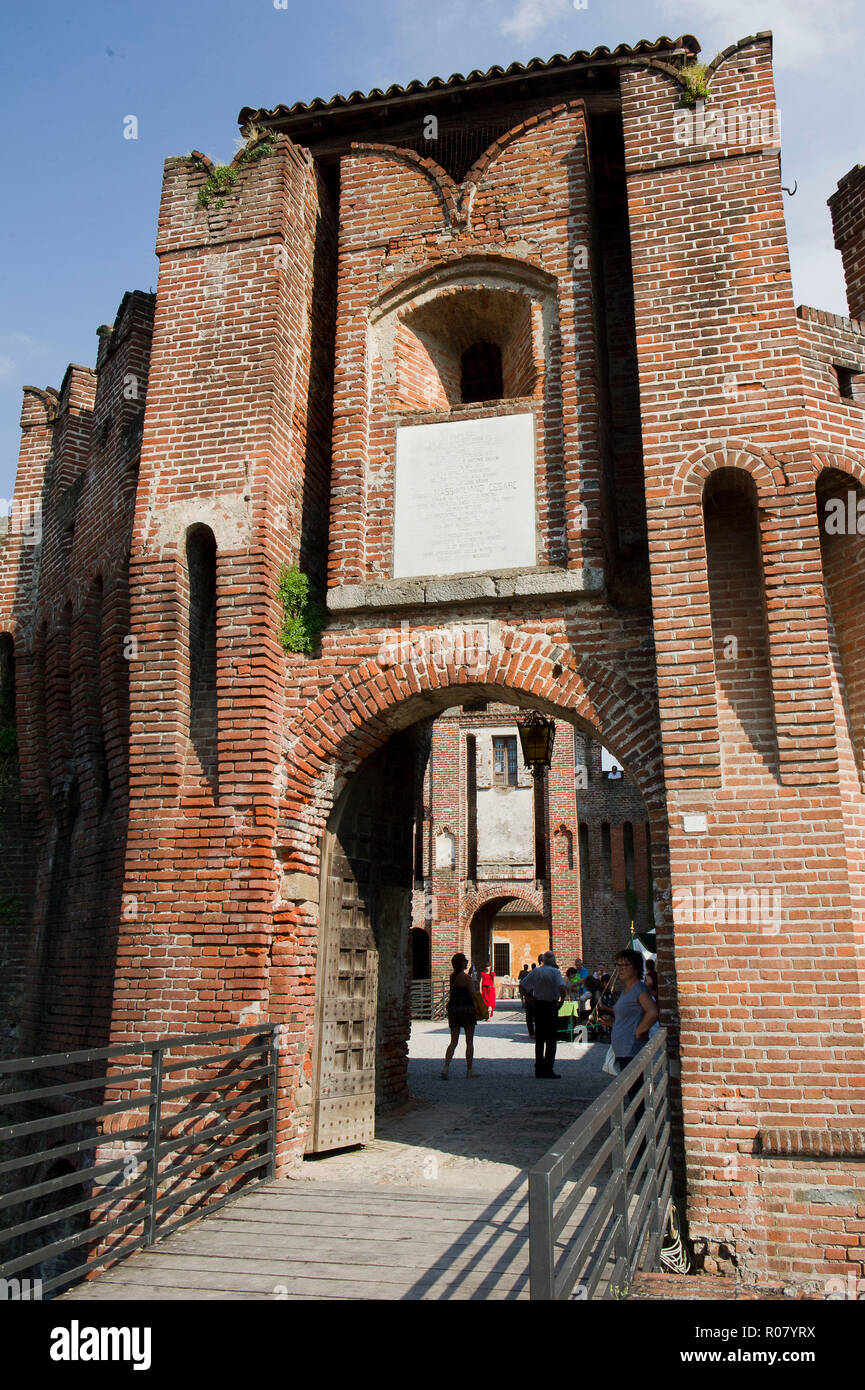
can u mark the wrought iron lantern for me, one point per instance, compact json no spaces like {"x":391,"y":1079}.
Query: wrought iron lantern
{"x":536,"y":739}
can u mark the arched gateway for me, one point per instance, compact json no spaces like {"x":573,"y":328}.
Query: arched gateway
{"x":366,"y":853}
{"x":490,"y":393}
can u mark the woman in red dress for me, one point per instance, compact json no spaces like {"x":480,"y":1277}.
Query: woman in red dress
{"x":488,"y":988}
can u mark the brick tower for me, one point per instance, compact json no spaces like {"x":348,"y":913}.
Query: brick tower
{"x":514,"y":354}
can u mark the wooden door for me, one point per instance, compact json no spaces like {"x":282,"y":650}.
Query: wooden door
{"x":344,"y":1111}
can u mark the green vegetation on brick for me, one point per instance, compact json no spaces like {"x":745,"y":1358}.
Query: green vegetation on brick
{"x":302,"y":619}
{"x":221,"y":178}
{"x":696,"y":79}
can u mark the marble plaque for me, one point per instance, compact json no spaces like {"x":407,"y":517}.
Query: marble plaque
{"x":465,"y":496}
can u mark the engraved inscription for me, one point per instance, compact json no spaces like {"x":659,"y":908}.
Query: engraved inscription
{"x":465,"y":496}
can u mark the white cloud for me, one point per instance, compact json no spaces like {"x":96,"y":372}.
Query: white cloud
{"x":533,"y":17}
{"x":8,"y":368}
{"x":803,"y":31}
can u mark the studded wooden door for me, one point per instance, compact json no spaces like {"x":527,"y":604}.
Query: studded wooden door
{"x":344,"y":1111}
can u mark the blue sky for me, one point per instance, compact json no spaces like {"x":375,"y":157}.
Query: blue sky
{"x":81,"y":228}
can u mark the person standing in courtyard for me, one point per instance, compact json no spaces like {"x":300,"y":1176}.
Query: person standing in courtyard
{"x":634,"y":1011}
{"x":488,"y":988}
{"x":461,"y":1014}
{"x":547,"y":987}
{"x":528,"y":1001}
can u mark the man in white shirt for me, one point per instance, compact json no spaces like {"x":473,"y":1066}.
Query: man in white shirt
{"x":547,"y":988}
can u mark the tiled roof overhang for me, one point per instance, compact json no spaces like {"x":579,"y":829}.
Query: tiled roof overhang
{"x":317,"y":113}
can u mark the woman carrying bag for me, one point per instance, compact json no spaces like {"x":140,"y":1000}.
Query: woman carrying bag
{"x":461,"y":1014}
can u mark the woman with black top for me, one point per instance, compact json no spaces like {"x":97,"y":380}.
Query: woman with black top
{"x":461,"y":1014}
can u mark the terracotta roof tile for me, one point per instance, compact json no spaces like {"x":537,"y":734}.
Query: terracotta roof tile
{"x":686,"y":44}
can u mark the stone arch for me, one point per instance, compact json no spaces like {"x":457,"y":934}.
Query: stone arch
{"x":692,"y":48}
{"x":430,"y":315}
{"x":477,"y":920}
{"x":457,"y":199}
{"x":478,"y":268}
{"x":357,"y":714}
{"x":694,"y":471}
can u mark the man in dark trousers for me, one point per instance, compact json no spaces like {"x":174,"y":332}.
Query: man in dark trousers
{"x":528,"y":1001}
{"x":546,"y":988}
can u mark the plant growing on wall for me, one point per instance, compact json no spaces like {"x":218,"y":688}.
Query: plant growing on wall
{"x":696,"y":79}
{"x":221,"y":178}
{"x":302,"y":619}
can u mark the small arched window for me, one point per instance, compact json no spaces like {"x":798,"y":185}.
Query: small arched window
{"x":481,"y":373}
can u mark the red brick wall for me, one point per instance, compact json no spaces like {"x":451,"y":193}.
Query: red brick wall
{"x":715,"y":392}
{"x":395,"y":221}
{"x":66,"y":602}
{"x":848,"y":222}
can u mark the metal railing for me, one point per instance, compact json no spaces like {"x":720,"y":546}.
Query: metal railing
{"x":429,"y":998}
{"x":173,"y":1129}
{"x":591,"y":1230}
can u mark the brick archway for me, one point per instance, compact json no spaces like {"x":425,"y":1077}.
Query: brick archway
{"x":354,"y":717}
{"x":481,"y":910}
{"x":532,"y":897}
{"x":827,"y":460}
{"x":357,"y":714}
{"x":694,"y":471}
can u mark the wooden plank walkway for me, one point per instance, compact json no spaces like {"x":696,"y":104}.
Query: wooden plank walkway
{"x":312,"y":1240}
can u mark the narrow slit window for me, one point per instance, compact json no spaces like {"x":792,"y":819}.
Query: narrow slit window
{"x":203,"y":711}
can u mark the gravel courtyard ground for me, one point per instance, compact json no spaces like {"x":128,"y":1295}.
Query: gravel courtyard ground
{"x":480,"y":1133}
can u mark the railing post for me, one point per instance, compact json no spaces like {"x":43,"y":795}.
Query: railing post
{"x":655,"y":1199}
{"x":542,"y":1273}
{"x":621,"y":1196}
{"x":274,"y":1097}
{"x":154,"y":1121}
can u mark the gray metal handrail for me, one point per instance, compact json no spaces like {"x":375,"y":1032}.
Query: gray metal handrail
{"x":590,"y":1231}
{"x":186,"y":1148}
